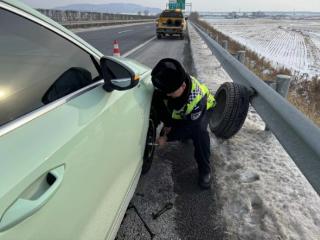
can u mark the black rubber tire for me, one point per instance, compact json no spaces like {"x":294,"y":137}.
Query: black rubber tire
{"x":231,"y":110}
{"x":159,"y":36}
{"x":182,"y":36}
{"x":151,"y":139}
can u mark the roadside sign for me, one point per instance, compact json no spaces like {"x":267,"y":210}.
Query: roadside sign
{"x":172,"y":5}
{"x":181,"y":4}
{"x":177,"y":4}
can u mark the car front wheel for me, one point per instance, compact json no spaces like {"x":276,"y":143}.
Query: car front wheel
{"x":150,"y":143}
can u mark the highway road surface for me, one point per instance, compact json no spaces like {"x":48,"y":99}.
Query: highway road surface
{"x":173,"y":175}
{"x":127,"y":36}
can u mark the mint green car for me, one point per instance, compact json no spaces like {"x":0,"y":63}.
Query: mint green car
{"x":73,"y":131}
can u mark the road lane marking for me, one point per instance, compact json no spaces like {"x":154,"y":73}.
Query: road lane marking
{"x":138,"y":47}
{"x":125,"y":31}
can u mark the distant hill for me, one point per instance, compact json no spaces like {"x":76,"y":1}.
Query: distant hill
{"x":128,"y":8}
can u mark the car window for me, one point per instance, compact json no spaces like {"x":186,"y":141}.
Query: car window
{"x":171,"y":14}
{"x":37,"y":66}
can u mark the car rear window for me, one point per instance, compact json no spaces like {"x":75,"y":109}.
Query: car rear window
{"x":172,"y":14}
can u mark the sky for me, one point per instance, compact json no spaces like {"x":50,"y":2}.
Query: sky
{"x":201,"y":5}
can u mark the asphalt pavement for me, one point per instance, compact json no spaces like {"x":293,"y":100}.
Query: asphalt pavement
{"x":173,"y":175}
{"x":158,"y":49}
{"x":128,"y":37}
{"x":172,"y":178}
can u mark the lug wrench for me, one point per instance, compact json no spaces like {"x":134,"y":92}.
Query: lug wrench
{"x":131,"y":205}
{"x":153,"y":144}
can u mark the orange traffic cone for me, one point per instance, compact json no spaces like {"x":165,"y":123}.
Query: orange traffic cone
{"x":116,"y":49}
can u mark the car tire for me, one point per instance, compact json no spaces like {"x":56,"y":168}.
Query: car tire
{"x":159,"y":36}
{"x":182,"y":36}
{"x":151,"y":139}
{"x":231,"y":110}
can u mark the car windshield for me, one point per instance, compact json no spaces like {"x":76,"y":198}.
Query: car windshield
{"x":171,"y":14}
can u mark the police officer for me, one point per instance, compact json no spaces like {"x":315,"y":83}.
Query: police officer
{"x":183,"y":104}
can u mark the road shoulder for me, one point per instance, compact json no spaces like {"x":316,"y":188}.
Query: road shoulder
{"x":262,"y":193}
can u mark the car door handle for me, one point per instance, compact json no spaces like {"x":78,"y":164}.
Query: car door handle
{"x":22,"y":208}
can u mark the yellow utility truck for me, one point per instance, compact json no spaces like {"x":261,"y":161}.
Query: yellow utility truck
{"x":171,"y":22}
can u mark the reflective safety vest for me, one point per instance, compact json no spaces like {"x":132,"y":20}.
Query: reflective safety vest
{"x":198,"y":91}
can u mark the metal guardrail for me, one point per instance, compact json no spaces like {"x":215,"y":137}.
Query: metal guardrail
{"x":297,"y":134}
{"x":72,"y":15}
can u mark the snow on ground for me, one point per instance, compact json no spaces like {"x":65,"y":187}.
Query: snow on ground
{"x":262,"y":193}
{"x":294,"y":44}
{"x":208,"y":68}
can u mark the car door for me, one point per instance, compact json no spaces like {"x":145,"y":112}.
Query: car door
{"x":70,"y":152}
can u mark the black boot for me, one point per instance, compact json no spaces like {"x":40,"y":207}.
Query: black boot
{"x":205,"y":180}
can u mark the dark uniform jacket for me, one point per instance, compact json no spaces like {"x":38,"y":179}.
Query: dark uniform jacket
{"x":167,"y":105}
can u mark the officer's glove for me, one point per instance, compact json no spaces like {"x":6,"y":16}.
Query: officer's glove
{"x":162,"y":141}
{"x":165,"y":131}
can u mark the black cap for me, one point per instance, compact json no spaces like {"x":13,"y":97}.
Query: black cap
{"x":168,"y":75}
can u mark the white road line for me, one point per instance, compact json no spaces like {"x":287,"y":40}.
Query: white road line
{"x":138,"y":47}
{"x":125,"y":31}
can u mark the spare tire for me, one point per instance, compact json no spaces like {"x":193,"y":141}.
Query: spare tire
{"x":231,"y":110}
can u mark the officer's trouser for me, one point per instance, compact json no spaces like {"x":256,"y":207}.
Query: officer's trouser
{"x":201,"y":141}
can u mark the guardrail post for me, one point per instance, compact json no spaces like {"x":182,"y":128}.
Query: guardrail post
{"x":225,"y":44}
{"x":273,"y":85}
{"x":217,"y":38}
{"x":283,"y":83}
{"x":241,"y":56}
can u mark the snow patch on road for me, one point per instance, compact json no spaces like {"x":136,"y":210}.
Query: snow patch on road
{"x":262,"y":192}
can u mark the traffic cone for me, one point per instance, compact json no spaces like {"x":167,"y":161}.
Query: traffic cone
{"x":116,"y":49}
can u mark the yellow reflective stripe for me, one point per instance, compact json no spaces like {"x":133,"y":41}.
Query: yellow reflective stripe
{"x":194,"y":103}
{"x":193,"y":85}
{"x":211,"y":102}
{"x":179,"y":114}
{"x":198,"y":98}
{"x":176,"y":115}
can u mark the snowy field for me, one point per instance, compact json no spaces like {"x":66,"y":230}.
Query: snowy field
{"x":294,"y":44}
{"x":262,"y":193}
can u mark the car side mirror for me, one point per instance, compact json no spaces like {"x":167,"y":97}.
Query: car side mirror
{"x":117,"y":76}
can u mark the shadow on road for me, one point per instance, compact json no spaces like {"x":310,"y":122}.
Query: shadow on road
{"x":195,"y":215}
